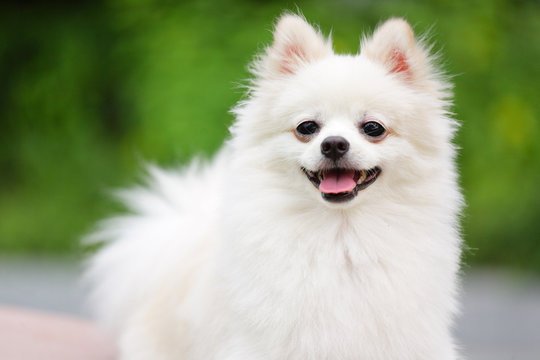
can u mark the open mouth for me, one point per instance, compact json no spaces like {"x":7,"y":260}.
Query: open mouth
{"x":341,"y":185}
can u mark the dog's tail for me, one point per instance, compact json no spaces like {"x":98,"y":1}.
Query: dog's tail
{"x":172,"y":221}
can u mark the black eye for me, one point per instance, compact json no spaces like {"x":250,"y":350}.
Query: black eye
{"x":307,"y":128}
{"x":373,"y":129}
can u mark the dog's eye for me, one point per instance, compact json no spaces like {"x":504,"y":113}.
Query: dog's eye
{"x":373,"y":129}
{"x":307,"y":128}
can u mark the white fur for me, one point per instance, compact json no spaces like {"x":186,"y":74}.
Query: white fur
{"x":243,"y":259}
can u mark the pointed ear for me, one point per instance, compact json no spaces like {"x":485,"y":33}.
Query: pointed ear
{"x":296,"y":43}
{"x":393,"y":45}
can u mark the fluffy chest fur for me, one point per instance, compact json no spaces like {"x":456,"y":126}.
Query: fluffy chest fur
{"x":345,"y":285}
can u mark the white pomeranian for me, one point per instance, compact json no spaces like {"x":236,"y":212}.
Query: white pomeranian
{"x":326,"y":228}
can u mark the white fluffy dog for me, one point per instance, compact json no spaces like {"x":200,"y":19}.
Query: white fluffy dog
{"x":326,"y":228}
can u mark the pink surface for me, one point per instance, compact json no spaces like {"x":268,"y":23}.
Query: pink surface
{"x":29,"y":335}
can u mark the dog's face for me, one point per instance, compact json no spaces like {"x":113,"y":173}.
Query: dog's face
{"x":344,"y":124}
{"x":344,"y":135}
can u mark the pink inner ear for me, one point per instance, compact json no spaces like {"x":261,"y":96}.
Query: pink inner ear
{"x":399,"y":61}
{"x":292,"y":54}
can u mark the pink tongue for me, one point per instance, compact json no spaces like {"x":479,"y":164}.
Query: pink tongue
{"x":337,"y":181}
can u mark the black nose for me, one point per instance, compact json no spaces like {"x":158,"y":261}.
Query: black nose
{"x":334,"y":147}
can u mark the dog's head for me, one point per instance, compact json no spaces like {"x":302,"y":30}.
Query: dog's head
{"x":342,"y":123}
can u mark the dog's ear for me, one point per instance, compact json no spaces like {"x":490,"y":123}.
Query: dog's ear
{"x":394,"y":46}
{"x":296,"y":43}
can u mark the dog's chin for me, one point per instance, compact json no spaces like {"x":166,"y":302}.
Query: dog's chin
{"x":341,"y":185}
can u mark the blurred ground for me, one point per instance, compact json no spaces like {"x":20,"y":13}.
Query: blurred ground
{"x":500,"y":321}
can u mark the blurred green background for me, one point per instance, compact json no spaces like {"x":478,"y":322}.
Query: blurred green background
{"x":90,"y":90}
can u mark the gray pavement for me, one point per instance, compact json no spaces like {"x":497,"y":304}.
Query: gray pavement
{"x":500,"y":313}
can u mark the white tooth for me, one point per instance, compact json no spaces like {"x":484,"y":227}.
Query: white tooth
{"x":320,"y":175}
{"x":363,"y":176}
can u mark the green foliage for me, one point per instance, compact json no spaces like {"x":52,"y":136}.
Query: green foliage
{"x":90,"y":90}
